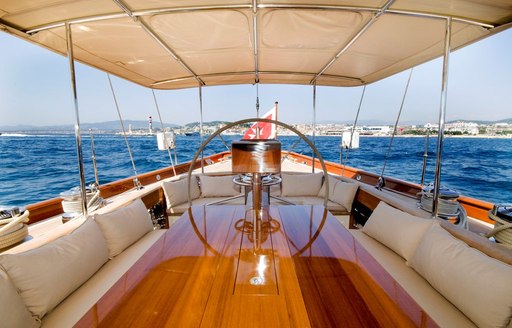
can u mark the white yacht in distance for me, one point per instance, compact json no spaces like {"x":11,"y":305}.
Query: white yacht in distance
{"x":257,"y":235}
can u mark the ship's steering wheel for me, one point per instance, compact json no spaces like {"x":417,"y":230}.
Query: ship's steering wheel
{"x":249,"y":120}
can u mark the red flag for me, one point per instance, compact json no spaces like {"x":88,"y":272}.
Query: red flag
{"x":267,"y":130}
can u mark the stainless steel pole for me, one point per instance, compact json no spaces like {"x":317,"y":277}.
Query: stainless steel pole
{"x":201,"y":124}
{"x":78,"y":136}
{"x":314,"y":125}
{"x":442,"y":116}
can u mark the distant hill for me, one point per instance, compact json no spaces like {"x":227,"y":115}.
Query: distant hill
{"x":212,"y":123}
{"x":102,"y":126}
{"x":507,"y":120}
{"x":139,"y":124}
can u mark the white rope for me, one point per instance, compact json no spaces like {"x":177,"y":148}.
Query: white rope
{"x":74,"y":206}
{"x":15,"y":220}
{"x":502,"y":231}
{"x":9,"y":236}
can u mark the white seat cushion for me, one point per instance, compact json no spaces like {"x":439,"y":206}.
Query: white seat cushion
{"x":181,"y":208}
{"x":176,"y":191}
{"x":444,"y":313}
{"x":301,"y":184}
{"x":13,"y":312}
{"x":400,"y":231}
{"x":309,"y":200}
{"x":48,"y":274}
{"x":332,"y":184}
{"x":479,"y":285}
{"x":124,"y":226}
{"x":83,"y":299}
{"x":218,"y":186}
{"x":344,"y":194}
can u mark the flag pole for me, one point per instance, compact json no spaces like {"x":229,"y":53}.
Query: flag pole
{"x":277,"y":119}
{"x":257,"y":110}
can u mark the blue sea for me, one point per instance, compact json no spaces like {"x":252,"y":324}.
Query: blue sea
{"x":37,"y":167}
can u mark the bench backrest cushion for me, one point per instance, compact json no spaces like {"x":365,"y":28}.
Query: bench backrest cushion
{"x":478,"y":285}
{"x":176,"y":191}
{"x":46,"y":275}
{"x":332,"y":185}
{"x":218,"y":186}
{"x":124,"y":226}
{"x":13,"y":312}
{"x":344,"y":194}
{"x":399,"y":231}
{"x":301,"y":184}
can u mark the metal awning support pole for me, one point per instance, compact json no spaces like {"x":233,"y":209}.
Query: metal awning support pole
{"x":201,"y":124}
{"x":78,"y":136}
{"x":314,"y":125}
{"x":442,"y":116}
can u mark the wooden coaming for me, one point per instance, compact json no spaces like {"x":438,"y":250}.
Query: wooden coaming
{"x":52,"y":207}
{"x":320,"y":277}
{"x":475,"y":208}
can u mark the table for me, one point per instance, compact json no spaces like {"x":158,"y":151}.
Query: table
{"x":301,"y":269}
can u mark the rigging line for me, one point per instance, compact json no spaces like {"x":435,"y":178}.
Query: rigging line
{"x":136,"y":179}
{"x":353,"y":130}
{"x":291,"y":149}
{"x":224,"y":142}
{"x":396,"y":124}
{"x":163,"y":130}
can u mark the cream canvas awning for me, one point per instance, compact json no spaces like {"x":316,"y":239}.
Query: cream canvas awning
{"x":179,"y":44}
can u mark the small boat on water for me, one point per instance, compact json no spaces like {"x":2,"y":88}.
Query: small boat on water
{"x":256,"y":235}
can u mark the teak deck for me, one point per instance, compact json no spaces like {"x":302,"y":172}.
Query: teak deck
{"x":312,"y":272}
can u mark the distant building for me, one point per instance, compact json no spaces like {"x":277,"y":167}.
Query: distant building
{"x":462,"y":127}
{"x":376,"y":130}
{"x":431,"y":126}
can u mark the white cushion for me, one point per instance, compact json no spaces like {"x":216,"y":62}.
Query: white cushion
{"x":398,"y":230}
{"x":12,"y":309}
{"x":444,"y":313}
{"x":478,"y":285}
{"x":218,"y":186}
{"x":76,"y":305}
{"x":124,"y":226}
{"x":332,"y":185}
{"x":48,"y":274}
{"x":301,"y":184}
{"x":344,"y":193}
{"x":310,"y":200}
{"x":176,"y":191}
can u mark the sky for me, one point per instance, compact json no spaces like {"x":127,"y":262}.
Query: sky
{"x":35,"y":89}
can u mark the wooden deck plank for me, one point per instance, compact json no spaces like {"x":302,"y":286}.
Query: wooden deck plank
{"x":317,"y":275}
